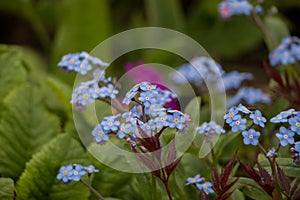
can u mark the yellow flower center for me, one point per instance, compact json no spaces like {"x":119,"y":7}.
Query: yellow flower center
{"x":110,"y":123}
{"x":86,"y":96}
{"x":65,"y":172}
{"x":100,"y":133}
{"x":237,"y":122}
{"x":231,"y":114}
{"x":72,"y":61}
{"x":176,"y":120}
{"x":122,"y":129}
{"x":205,"y":186}
{"x":149,"y":88}
{"x":193,"y":180}
{"x":297,"y":124}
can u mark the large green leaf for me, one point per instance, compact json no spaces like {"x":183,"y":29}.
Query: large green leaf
{"x":24,"y":128}
{"x":165,"y":14}
{"x":39,"y":178}
{"x":7,"y":188}
{"x":251,"y":189}
{"x":12,"y":72}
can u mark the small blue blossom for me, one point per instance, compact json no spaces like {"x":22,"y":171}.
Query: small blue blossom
{"x":297,"y":146}
{"x":145,"y":86}
{"x":100,"y":135}
{"x":272,"y":153}
{"x":161,"y":120}
{"x":258,"y":119}
{"x":176,"y":119}
{"x":77,"y":172}
{"x":251,"y":137}
{"x":232,"y":115}
{"x":148,"y":98}
{"x":285,"y":136}
{"x":65,"y":173}
{"x":238,"y":124}
{"x":206,"y":187}
{"x":205,"y":127}
{"x":216,"y":127}
{"x":90,"y":169}
{"x":123,"y":130}
{"x":109,"y":91}
{"x":110,"y":123}
{"x":148,"y":127}
{"x":82,"y":95}
{"x":194,"y":180}
{"x":295,"y":123}
{"x":244,"y":109}
{"x":99,"y":76}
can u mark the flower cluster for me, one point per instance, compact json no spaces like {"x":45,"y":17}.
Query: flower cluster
{"x":74,"y":172}
{"x":204,"y":68}
{"x":80,"y":62}
{"x":99,"y":87}
{"x":250,"y":95}
{"x":148,"y":115}
{"x":288,"y":52}
{"x":198,"y":69}
{"x":234,"y":79}
{"x":237,"y":123}
{"x":200,"y":183}
{"x":210,"y":129}
{"x":229,"y":8}
{"x":287,"y":132}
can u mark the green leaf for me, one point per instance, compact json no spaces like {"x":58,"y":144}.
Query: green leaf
{"x":289,"y":168}
{"x":110,"y":182}
{"x":12,"y":72}
{"x":7,"y":188}
{"x":251,"y":189}
{"x":165,"y":14}
{"x":25,"y":127}
{"x":277,"y":29}
{"x":39,"y":178}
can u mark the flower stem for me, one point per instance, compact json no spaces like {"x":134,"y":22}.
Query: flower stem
{"x":168,"y":189}
{"x":92,"y":190}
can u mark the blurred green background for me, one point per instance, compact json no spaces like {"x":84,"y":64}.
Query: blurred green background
{"x":52,"y":28}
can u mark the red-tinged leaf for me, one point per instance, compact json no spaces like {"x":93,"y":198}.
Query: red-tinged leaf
{"x":228,"y":186}
{"x":266,"y":178}
{"x":273,"y":74}
{"x":170,"y":168}
{"x":146,"y":161}
{"x":250,"y":171}
{"x":296,"y":195}
{"x":156,"y":173}
{"x":295,"y":186}
{"x":227,"y":171}
{"x":215,"y":180}
{"x":226,"y":196}
{"x":204,"y":196}
{"x":284,"y":181}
